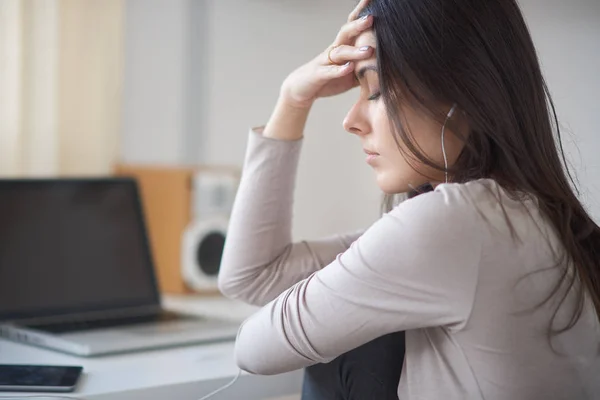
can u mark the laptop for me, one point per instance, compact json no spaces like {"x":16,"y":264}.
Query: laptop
{"x":76,"y":271}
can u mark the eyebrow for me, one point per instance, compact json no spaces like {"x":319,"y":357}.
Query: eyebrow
{"x":361,"y":73}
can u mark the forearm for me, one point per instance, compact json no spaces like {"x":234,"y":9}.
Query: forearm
{"x":260,"y":226}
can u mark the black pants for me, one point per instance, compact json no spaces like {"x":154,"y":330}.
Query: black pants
{"x":370,"y":372}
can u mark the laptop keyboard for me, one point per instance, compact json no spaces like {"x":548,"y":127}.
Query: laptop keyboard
{"x":83,"y":325}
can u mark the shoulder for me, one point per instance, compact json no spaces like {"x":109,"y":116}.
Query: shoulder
{"x":477,"y":210}
{"x":434,"y":228}
{"x":457,"y":205}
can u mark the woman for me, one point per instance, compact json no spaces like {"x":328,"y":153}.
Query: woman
{"x":492,"y":268}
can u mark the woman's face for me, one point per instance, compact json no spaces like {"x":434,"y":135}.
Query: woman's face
{"x":368,"y":119}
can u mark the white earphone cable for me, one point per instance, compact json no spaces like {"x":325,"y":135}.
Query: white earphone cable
{"x":450,"y":113}
{"x":219,"y":390}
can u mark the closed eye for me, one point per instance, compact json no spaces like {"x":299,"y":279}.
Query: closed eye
{"x":374,"y":96}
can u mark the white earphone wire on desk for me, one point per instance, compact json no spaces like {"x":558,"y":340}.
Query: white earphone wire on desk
{"x":219,"y":390}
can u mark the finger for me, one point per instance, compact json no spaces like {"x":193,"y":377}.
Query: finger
{"x":342,"y":54}
{"x":352,"y":29}
{"x":329,"y":72}
{"x":356,"y":12}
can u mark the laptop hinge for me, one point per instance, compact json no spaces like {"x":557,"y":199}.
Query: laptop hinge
{"x":92,"y":316}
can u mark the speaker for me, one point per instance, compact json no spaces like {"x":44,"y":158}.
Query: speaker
{"x":202,"y":249}
{"x":203,"y":240}
{"x":187,"y":212}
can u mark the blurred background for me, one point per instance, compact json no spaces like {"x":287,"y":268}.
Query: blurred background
{"x":86,"y":85}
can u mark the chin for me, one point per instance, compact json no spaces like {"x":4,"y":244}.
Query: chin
{"x":395,"y":183}
{"x":389,"y":185}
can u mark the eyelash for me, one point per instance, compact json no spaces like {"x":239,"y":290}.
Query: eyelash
{"x":374,"y":97}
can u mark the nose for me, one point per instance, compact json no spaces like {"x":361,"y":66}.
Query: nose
{"x":356,"y":121}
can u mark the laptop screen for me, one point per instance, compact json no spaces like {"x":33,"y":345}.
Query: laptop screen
{"x":71,"y":246}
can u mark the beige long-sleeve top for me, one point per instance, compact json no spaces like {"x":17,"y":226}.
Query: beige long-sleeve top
{"x":443,"y":266}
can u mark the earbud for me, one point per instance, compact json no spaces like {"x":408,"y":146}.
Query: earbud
{"x":451,"y":112}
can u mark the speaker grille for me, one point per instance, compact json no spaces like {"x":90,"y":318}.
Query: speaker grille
{"x":209,"y":253}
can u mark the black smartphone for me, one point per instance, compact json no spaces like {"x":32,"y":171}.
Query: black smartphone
{"x":38,"y":378}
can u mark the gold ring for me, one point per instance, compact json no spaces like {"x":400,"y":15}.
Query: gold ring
{"x":329,"y":55}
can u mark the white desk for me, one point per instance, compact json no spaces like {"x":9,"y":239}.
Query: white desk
{"x":183,"y":373}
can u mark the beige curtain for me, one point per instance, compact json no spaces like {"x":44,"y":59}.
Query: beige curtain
{"x":60,"y":86}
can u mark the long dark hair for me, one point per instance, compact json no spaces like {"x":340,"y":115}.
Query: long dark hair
{"x":479,"y":54}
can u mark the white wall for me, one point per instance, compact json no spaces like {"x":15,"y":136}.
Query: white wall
{"x":155,"y":78}
{"x":567,"y":35}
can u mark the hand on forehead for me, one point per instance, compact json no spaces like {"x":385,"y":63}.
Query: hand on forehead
{"x":367,"y":38}
{"x":357,"y":10}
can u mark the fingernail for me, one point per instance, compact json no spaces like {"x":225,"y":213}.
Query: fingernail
{"x":364,"y":48}
{"x":347,"y":64}
{"x":365,"y":17}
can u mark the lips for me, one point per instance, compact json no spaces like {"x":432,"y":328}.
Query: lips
{"x":371,"y":156}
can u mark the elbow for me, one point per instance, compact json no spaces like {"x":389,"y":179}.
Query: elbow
{"x":248,"y":358}
{"x":257,"y":356}
{"x":224,"y":285}
{"x":229,"y":282}
{"x":241,"y":282}
{"x":238,"y":289}
{"x":244,"y":357}
{"x":228,"y":287}
{"x":264,"y":347}
{"x":247,"y":364}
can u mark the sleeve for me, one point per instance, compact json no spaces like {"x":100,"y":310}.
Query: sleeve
{"x":259,"y":259}
{"x":417,"y":267}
